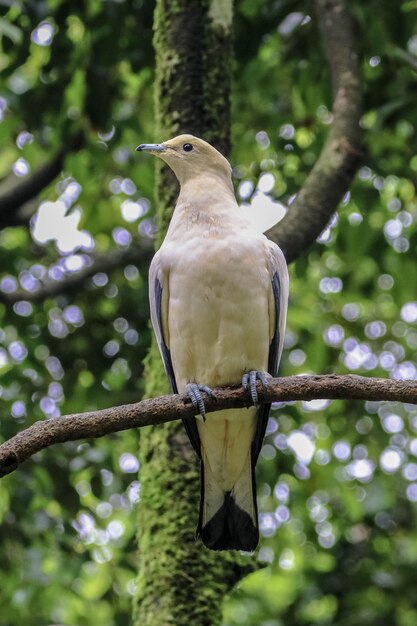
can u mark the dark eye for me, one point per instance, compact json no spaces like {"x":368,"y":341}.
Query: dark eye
{"x":187,"y":147}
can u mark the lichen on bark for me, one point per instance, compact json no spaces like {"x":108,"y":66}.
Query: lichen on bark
{"x":181,"y":582}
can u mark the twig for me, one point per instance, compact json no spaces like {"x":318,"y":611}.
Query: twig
{"x":168,"y":408}
{"x":112,"y":260}
{"x":11,"y":201}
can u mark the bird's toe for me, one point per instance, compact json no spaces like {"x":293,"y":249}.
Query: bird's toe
{"x":194,"y":393}
{"x":249,"y":383}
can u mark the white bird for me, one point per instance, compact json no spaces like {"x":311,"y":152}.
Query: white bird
{"x":218,"y":295}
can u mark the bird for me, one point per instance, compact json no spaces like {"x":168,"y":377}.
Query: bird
{"x":218,"y":293}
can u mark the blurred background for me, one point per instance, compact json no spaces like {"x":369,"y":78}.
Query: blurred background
{"x":337,"y":480}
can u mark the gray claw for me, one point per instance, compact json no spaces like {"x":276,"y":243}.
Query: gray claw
{"x":194,"y":394}
{"x":261,"y":376}
{"x":249,"y":383}
{"x":208,"y":390}
{"x":252,"y":383}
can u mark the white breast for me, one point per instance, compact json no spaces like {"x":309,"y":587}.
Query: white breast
{"x":218,"y":306}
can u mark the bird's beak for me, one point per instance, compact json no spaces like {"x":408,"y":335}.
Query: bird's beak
{"x":151,"y":147}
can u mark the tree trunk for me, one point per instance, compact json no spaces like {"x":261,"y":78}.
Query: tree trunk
{"x":180,"y":582}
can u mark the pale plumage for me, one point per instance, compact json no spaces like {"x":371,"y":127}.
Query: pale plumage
{"x":218,"y":293}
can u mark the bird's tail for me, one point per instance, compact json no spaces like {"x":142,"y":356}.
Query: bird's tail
{"x":229,"y":519}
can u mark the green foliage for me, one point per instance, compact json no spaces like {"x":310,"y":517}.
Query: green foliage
{"x":339,"y":541}
{"x":339,"y":530}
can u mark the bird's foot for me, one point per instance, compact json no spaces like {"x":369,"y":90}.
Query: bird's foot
{"x":249,"y":383}
{"x":194,"y":393}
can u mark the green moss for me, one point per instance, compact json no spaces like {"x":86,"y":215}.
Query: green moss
{"x":156,"y":380}
{"x":180,"y":582}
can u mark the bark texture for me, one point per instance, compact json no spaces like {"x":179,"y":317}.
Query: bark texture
{"x":152,"y":412}
{"x":180,"y":582}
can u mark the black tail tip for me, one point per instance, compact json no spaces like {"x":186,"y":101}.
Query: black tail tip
{"x":231,"y":528}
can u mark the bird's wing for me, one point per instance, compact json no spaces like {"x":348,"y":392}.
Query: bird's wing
{"x":159,"y":306}
{"x":278,"y":298}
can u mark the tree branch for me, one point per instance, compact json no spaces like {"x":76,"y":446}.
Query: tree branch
{"x":154,"y":411}
{"x":26,"y":190}
{"x":108,"y":262}
{"x":333,"y":172}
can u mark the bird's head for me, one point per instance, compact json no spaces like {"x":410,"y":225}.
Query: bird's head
{"x":189,"y":157}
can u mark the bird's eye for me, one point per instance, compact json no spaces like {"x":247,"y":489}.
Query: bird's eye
{"x":187,"y":147}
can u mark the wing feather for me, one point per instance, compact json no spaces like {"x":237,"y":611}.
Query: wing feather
{"x":277,"y":314}
{"x":159,"y":306}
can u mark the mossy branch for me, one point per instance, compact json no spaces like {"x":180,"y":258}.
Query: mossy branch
{"x":178,"y":583}
{"x":155,"y":411}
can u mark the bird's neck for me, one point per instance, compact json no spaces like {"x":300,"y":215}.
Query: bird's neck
{"x":205,"y":203}
{"x":208,"y":189}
